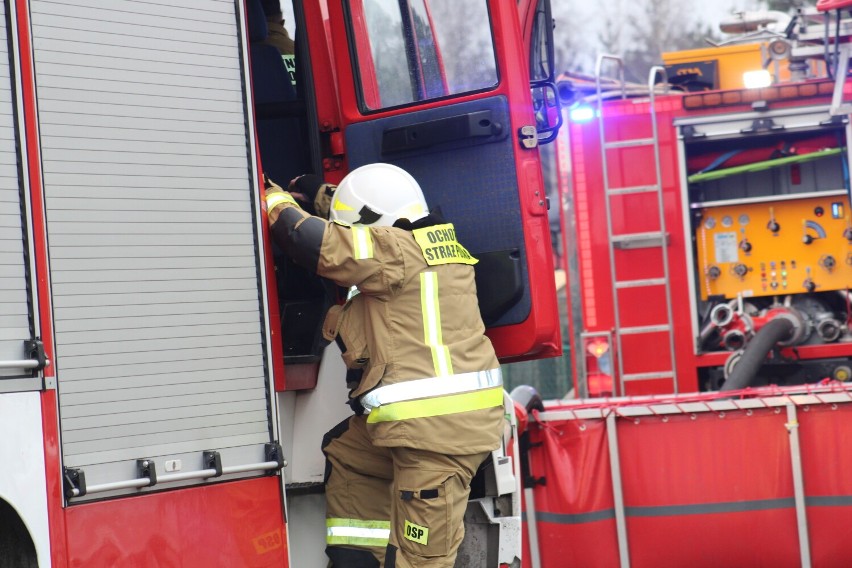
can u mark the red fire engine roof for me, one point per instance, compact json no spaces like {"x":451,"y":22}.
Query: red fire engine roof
{"x":826,"y":5}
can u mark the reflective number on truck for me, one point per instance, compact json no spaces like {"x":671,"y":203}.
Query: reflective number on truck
{"x":268,"y":541}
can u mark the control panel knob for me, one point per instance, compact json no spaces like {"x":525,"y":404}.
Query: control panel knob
{"x":828,"y":262}
{"x":847,"y":234}
{"x":740,"y":270}
{"x":807,"y":239}
{"x":773,"y":226}
{"x":809,"y":285}
{"x":745,"y":245}
{"x":713,"y":272}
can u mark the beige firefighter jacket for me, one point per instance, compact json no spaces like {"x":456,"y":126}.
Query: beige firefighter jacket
{"x":409,"y":320}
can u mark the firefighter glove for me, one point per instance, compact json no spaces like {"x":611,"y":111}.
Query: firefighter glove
{"x":308,"y":185}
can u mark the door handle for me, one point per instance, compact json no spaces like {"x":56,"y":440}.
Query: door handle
{"x":34,"y":348}
{"x":470,"y":125}
{"x":19,"y":364}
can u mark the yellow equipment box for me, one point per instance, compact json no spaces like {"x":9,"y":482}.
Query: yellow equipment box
{"x":775,"y":248}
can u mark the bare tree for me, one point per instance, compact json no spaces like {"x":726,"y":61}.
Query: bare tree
{"x":639,"y":31}
{"x":661,"y":26}
{"x":613,"y":36}
{"x":786,"y":6}
{"x":570,"y":51}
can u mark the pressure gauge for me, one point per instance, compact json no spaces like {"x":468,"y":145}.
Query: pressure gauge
{"x":744,"y":219}
{"x":709,"y":223}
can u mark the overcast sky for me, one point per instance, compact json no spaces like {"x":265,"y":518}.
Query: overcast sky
{"x":713,"y":11}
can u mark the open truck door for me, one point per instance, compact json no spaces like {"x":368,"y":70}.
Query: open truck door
{"x":441,"y":89}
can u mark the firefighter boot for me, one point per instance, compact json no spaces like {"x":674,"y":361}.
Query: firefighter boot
{"x":357,"y":490}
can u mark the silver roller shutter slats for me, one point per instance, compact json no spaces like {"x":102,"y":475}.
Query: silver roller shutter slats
{"x":151,"y":234}
{"x":14,"y":294}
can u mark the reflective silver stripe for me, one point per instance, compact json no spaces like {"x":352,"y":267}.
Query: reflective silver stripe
{"x":357,"y":532}
{"x":432,"y":387}
{"x":353,"y":291}
{"x":362,"y":242}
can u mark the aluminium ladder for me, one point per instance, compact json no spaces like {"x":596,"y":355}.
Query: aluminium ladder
{"x":627,"y":241}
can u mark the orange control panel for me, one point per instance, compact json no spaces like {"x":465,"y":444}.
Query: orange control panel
{"x":773,"y":248}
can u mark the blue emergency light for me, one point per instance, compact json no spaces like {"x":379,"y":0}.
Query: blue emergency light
{"x":582,"y":113}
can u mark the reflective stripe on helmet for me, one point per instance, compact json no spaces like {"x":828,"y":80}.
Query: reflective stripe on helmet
{"x":340,"y":206}
{"x":357,"y":532}
{"x":432,"y":324}
{"x":362,"y":242}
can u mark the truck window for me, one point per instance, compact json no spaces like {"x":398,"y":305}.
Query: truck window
{"x":411,"y":51}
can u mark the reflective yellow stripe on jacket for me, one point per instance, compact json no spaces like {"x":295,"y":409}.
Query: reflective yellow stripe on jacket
{"x":435,"y":396}
{"x":362,"y":242}
{"x":432,"y":324}
{"x":275,"y":199}
{"x":357,"y":532}
{"x":439,"y":406}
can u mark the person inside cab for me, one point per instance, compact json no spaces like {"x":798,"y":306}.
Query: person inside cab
{"x":278,"y":37}
{"x":424,"y":380}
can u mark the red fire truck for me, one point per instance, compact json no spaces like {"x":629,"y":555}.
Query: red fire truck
{"x":714,"y":254}
{"x":163,"y":387}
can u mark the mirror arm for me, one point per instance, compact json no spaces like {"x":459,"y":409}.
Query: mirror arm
{"x":549,"y":83}
{"x":550,"y":133}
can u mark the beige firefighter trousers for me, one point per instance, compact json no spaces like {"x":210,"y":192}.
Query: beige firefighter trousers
{"x":423,"y":494}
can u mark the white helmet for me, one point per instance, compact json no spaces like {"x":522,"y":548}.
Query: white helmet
{"x":377,"y":195}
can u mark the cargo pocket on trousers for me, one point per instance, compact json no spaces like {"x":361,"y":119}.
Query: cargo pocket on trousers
{"x":423,"y":527}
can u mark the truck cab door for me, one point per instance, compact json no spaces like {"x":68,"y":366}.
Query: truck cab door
{"x":441,"y":89}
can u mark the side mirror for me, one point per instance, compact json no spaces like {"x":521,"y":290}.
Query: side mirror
{"x":548,"y":111}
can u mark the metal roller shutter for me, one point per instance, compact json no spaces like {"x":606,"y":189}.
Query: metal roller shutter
{"x":158,"y":326}
{"x":15,"y":305}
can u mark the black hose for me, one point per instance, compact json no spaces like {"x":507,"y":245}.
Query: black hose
{"x":754,"y":354}
{"x":705,"y":334}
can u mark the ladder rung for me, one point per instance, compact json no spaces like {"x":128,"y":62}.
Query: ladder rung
{"x":629,"y":143}
{"x":640,"y":283}
{"x":636,"y":330}
{"x":640,"y":240}
{"x":635,"y":189}
{"x":627,"y":237}
{"x":648,"y":376}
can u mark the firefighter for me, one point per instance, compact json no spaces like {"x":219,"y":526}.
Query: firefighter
{"x":278,"y":37}
{"x":424,"y":381}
